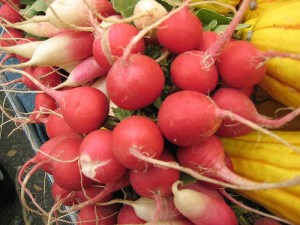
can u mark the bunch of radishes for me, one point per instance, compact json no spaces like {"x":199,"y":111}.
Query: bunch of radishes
{"x":93,"y":62}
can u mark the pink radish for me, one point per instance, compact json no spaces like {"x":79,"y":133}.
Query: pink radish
{"x":155,"y":181}
{"x":84,"y":72}
{"x":96,"y":158}
{"x":110,"y":44}
{"x":172,"y":222}
{"x":266,"y":221}
{"x":188,"y":117}
{"x":10,"y":37}
{"x":84,"y":115}
{"x":140,"y":133}
{"x":187,"y":37}
{"x":198,"y":207}
{"x":128,"y":81}
{"x":93,"y":215}
{"x":239,"y":66}
{"x":16,"y":4}
{"x":127,"y":215}
{"x":61,"y":50}
{"x":10,"y":14}
{"x":65,"y":163}
{"x":66,"y":197}
{"x":233,"y":100}
{"x":208,"y":39}
{"x":195,"y":77}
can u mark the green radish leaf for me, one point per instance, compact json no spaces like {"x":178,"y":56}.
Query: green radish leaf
{"x":121,"y":114}
{"x":211,"y":26}
{"x":222,"y":28}
{"x":37,"y":8}
{"x":125,"y":7}
{"x":207,"y":16}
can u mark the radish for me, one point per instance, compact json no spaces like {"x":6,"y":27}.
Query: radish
{"x":66,"y":156}
{"x":39,"y":29}
{"x":195,"y":77}
{"x":266,"y":221}
{"x":147,"y":210}
{"x":208,"y":39}
{"x":172,"y":222}
{"x":60,"y":50}
{"x":84,"y":115}
{"x":127,"y":215}
{"x":237,"y":102}
{"x":187,"y":37}
{"x":61,"y":14}
{"x":155,"y":181}
{"x":198,"y":207}
{"x":93,"y":215}
{"x":10,"y":37}
{"x":96,"y":158}
{"x":84,"y":72}
{"x":129,"y":80}
{"x":110,"y":44}
{"x":238,"y":65}
{"x":140,"y":133}
{"x":203,"y":119}
{"x":66,"y":197}
{"x":147,"y":12}
{"x":10,"y":14}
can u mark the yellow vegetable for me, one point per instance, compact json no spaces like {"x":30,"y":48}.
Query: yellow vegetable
{"x":257,"y":7}
{"x":217,"y":7}
{"x":246,"y":33}
{"x":261,"y":158}
{"x":278,"y":29}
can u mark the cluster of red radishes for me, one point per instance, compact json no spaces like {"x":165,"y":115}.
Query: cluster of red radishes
{"x":103,"y":56}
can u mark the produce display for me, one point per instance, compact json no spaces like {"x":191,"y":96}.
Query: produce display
{"x":154,"y":110}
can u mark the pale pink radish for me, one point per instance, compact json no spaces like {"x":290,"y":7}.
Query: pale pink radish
{"x":155,"y":181}
{"x":202,"y":209}
{"x":60,"y":50}
{"x":84,"y":72}
{"x":128,"y":81}
{"x":140,"y":133}
{"x":110,"y":44}
{"x":97,"y":160}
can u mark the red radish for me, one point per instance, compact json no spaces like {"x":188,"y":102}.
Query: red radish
{"x":66,"y":171}
{"x":147,"y":210}
{"x":195,"y":77}
{"x":135,"y":83}
{"x":14,"y":3}
{"x":94,"y":215}
{"x":266,"y":221}
{"x":110,"y":44}
{"x":237,"y":102}
{"x":172,"y":222}
{"x":56,"y":125}
{"x":239,"y":66}
{"x":127,"y":215}
{"x":10,"y":37}
{"x":188,"y":117}
{"x":84,"y":72}
{"x":84,"y":115}
{"x":181,"y":32}
{"x":66,"y":197}
{"x":42,"y":100}
{"x":10,"y":14}
{"x":92,"y":191}
{"x":147,"y":12}
{"x":97,"y":160}
{"x":208,"y":39}
{"x":198,"y":207}
{"x":140,"y":133}
{"x":155,"y":181}
{"x":61,"y":50}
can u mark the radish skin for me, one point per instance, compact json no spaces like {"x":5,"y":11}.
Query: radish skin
{"x":198,"y":207}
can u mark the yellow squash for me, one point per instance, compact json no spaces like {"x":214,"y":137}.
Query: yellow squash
{"x":261,"y":158}
{"x":257,"y":7}
{"x":218,"y":7}
{"x":278,"y":29}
